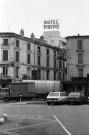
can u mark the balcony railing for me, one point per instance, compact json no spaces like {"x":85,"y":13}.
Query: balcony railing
{"x":4,"y":76}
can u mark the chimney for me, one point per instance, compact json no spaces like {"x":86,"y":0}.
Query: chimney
{"x":22,"y":32}
{"x":41,"y":38}
{"x":32,"y":36}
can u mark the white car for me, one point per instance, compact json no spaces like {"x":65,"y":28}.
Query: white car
{"x":56,"y":97}
{"x":3,"y":118}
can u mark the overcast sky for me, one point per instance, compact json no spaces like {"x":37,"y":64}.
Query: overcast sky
{"x":73,"y":16}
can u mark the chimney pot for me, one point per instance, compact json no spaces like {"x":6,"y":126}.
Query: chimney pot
{"x":22,"y":32}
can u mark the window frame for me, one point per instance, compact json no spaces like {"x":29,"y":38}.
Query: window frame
{"x":80,"y":58}
{"x":28,"y":58}
{"x":5,"y":55}
{"x":80,"y":44}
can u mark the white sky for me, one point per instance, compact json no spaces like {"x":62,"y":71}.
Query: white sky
{"x":73,"y":16}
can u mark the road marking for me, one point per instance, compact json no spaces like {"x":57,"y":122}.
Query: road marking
{"x":28,"y":126}
{"x":11,"y":133}
{"x":36,"y":117}
{"x":65,"y":129}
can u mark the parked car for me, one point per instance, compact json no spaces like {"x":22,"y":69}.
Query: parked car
{"x":77,"y":97}
{"x":56,"y":97}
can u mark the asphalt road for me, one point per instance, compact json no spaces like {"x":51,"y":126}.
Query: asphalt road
{"x":41,"y":119}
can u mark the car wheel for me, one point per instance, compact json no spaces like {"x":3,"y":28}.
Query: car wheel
{"x":81,"y":102}
{"x":48,"y":103}
{"x":6,"y":99}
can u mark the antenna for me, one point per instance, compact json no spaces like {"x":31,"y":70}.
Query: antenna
{"x":8,"y":28}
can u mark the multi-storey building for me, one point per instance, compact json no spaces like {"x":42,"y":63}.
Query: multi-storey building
{"x":77,"y":62}
{"x":53,"y":38}
{"x":30,"y":58}
{"x":77,"y":56}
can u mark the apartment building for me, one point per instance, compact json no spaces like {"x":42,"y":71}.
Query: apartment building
{"x":77,"y":56}
{"x":30,"y":58}
{"x":77,"y":62}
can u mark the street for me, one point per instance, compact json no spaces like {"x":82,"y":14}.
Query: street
{"x":41,"y":119}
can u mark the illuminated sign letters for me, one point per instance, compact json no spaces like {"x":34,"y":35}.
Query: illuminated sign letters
{"x":51,"y":24}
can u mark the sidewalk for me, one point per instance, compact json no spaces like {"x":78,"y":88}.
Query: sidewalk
{"x":29,"y":102}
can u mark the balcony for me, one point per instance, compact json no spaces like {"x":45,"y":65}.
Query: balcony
{"x":79,"y":50}
{"x":4,"y":63}
{"x":4,"y":76}
{"x":61,"y":57}
{"x":80,"y":65}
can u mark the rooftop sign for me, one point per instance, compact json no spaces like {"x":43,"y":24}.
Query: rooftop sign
{"x":51,"y":24}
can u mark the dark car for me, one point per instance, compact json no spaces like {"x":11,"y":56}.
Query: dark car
{"x":77,"y":97}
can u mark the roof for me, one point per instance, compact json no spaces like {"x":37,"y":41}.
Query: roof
{"x":35,"y":41}
{"x":78,"y":36}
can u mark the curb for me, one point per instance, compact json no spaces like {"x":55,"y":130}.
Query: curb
{"x":18,"y":103}
{"x":28,"y":102}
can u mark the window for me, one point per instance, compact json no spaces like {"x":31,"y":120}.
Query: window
{"x":28,"y":58}
{"x":80,"y":72}
{"x":59,"y":75}
{"x":47,"y":75}
{"x":39,"y":74}
{"x":17,"y":71}
{"x":17,"y":43}
{"x":38,"y":49}
{"x":47,"y":62}
{"x":80,"y":58}
{"x":28,"y":46}
{"x":5,"y":55}
{"x":54,"y":75}
{"x":60,"y":64}
{"x":39,"y":60}
{"x":47,"y":51}
{"x":54,"y":63}
{"x":63,"y":76}
{"x":54,"y":53}
{"x":5,"y":41}
{"x":28,"y":72}
{"x":63,"y":64}
{"x":17,"y":56}
{"x":5,"y":71}
{"x":79,"y":44}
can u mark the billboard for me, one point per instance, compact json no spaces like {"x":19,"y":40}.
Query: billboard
{"x":51,"y":24}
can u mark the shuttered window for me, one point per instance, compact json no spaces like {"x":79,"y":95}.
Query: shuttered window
{"x":17,"y":56}
{"x":80,"y":58}
{"x":5,"y":55}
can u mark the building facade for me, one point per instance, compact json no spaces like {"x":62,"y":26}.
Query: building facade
{"x":77,"y":63}
{"x":30,"y":58}
{"x":77,"y":56}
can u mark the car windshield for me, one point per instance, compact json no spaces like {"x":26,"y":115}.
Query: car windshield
{"x":53,"y":94}
{"x":74,"y":94}
{"x":63,"y":94}
{"x":5,"y":90}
